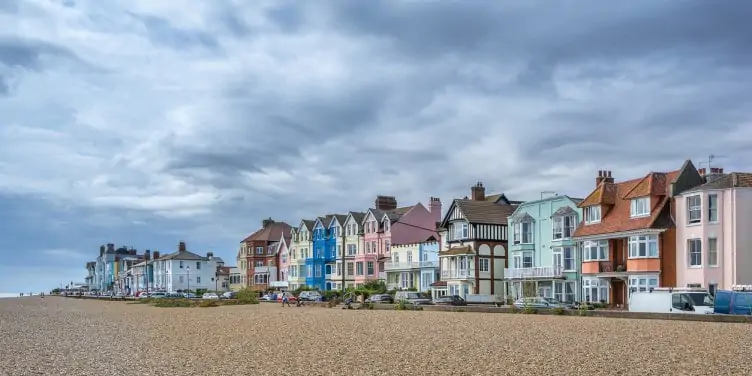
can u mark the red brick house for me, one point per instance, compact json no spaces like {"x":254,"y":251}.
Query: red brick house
{"x":258,"y":256}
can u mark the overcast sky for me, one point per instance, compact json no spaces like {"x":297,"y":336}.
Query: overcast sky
{"x":144,"y":122}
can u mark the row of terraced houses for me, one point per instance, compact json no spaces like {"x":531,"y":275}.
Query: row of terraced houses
{"x":688,"y":227}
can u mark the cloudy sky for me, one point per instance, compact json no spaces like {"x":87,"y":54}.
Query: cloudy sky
{"x":144,"y":122}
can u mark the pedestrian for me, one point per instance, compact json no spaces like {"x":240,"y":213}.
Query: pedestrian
{"x":285,"y":300}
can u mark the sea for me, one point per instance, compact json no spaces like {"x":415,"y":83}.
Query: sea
{"x":8,"y":295}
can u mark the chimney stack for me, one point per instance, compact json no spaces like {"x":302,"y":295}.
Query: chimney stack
{"x":181,"y":247}
{"x":101,"y":250}
{"x":434,"y":206}
{"x":110,"y":248}
{"x":156,"y":255}
{"x":385,"y":203}
{"x":210,"y":255}
{"x":478,"y":192}
{"x":267,"y":222}
{"x":147,"y":255}
{"x":604,"y":176}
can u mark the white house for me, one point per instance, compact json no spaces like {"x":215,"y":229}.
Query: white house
{"x":185,"y":270}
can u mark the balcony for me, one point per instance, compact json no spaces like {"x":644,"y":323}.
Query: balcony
{"x":392,"y":266}
{"x":264,"y":269}
{"x":457,"y":273}
{"x":534,"y":273}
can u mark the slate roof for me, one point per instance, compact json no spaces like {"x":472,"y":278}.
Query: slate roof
{"x":523,"y":217}
{"x":485,"y":212}
{"x":341,"y":218}
{"x":185,"y":255}
{"x":615,"y":199}
{"x":726,"y":181}
{"x":358,"y":216}
{"x":272,"y":232}
{"x":308,"y":223}
{"x":564,"y":211}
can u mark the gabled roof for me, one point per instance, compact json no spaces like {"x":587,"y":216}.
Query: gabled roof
{"x":184,"y":255}
{"x":563,"y":212}
{"x":339,"y":219}
{"x":482,"y":212}
{"x":522,"y":217}
{"x":271,"y":232}
{"x":306,"y":224}
{"x":725,"y":181}
{"x":616,"y":217}
{"x":357,"y":217}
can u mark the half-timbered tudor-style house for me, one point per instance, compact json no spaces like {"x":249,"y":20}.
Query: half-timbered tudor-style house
{"x":473,"y":255}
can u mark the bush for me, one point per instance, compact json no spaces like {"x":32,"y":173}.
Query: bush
{"x":401,"y":305}
{"x":529,"y":310}
{"x":142,"y":301}
{"x":559,"y":311}
{"x":246,"y":296}
{"x":206,"y":303}
{"x":172,"y":303}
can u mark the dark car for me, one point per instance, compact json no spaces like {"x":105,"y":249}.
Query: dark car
{"x":454,"y":300}
{"x":381,"y":298}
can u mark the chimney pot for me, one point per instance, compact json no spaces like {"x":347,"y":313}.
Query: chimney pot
{"x":156,"y":255}
{"x":478,"y":192}
{"x":181,"y":247}
{"x":267,"y":222}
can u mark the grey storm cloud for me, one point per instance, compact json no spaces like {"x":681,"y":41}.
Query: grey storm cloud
{"x":153,"y":122}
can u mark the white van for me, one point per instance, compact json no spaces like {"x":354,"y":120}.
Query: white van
{"x":672,"y":300}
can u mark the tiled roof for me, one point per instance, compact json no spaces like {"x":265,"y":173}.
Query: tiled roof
{"x":308,"y":223}
{"x":325,"y":221}
{"x":615,"y":216}
{"x":341,"y":218}
{"x":184,"y":255}
{"x":271,"y":232}
{"x":726,"y":181}
{"x":564,"y":211}
{"x":358,"y":216}
{"x":224,"y":270}
{"x":454,"y":251}
{"x":438,"y":284}
{"x":523,"y":217}
{"x":484,"y":211}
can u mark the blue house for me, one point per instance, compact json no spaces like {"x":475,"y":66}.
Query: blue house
{"x":316,"y":262}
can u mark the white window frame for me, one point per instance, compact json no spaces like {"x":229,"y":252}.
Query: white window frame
{"x":639,"y":207}
{"x":318,"y":271}
{"x":643,"y":282}
{"x":352,"y":249}
{"x":359,"y":268}
{"x":409,"y":256}
{"x":259,"y":250}
{"x":484,"y":264}
{"x":370,"y":268}
{"x":526,"y":255}
{"x":460,"y":230}
{"x":564,"y":227}
{"x":601,"y":250}
{"x":350,"y":268}
{"x":712,"y":252}
{"x":694,"y":250}
{"x":572,"y":257}
{"x":600,"y":286}
{"x":640,"y":246}
{"x":694,"y":209}
{"x":713,"y":208}
{"x":592,"y":214}
{"x":523,"y":233}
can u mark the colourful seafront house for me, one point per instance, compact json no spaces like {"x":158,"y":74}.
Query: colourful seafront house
{"x":473,"y":253}
{"x":301,"y":246}
{"x":387,"y":224}
{"x":333,"y":251}
{"x":353,"y":246}
{"x":257,"y":254}
{"x":283,"y":252}
{"x":542,"y":253}
{"x":713,"y":236}
{"x":628,"y":235}
{"x":316,"y":260}
{"x":413,"y":266}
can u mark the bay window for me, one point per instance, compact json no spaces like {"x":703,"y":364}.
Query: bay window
{"x":460,"y":231}
{"x":522,"y":260}
{"x":595,"y":250}
{"x":643,"y":246}
{"x":595,"y":290}
{"x":642,"y":283}
{"x":564,"y":291}
{"x":593,"y":214}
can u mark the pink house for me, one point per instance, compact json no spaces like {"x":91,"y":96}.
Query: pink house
{"x":714,"y":232}
{"x":387,"y":224}
{"x":283,"y":252}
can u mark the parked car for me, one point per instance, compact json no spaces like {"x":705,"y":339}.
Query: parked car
{"x":269,"y":297}
{"x":310,"y":296}
{"x":453,"y":300}
{"x":380,"y":298}
{"x":229,"y":295}
{"x":541,"y":303}
{"x":210,"y":295}
{"x":189,"y":295}
{"x":411,"y":297}
{"x":290,"y":297}
{"x":157,"y":295}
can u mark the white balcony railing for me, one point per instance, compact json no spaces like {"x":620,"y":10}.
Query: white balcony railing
{"x":535,"y":272}
{"x":264,"y":269}
{"x":457,"y":273}
{"x":389,"y":266}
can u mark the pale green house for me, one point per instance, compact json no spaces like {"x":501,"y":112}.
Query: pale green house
{"x":543,"y":258}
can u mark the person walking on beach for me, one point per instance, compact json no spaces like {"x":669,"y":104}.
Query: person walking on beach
{"x":285,"y":300}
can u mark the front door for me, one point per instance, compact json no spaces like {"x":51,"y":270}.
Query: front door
{"x":618,"y":290}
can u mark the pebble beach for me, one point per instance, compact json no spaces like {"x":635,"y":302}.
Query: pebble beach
{"x":62,"y":336}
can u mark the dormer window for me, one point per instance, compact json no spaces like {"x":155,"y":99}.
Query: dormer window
{"x":593,"y":214}
{"x":523,"y":233}
{"x":460,"y":230}
{"x":640,"y":207}
{"x":564,"y":227}
{"x":386,"y":225}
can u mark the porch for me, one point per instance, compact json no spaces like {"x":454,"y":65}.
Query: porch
{"x":562,"y":290}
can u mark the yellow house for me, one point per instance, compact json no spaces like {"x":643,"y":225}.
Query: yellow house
{"x":353,"y":230}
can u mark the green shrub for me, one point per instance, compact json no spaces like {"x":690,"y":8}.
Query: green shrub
{"x":529,"y":310}
{"x":559,"y":311}
{"x":172,"y":303}
{"x":206,"y":303}
{"x":142,"y":301}
{"x":246,"y":296}
{"x":402,"y":305}
{"x":582,"y":309}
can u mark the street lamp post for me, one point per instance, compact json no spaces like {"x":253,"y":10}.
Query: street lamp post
{"x":188,"y":268}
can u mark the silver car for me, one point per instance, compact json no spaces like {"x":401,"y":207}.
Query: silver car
{"x":540,"y":303}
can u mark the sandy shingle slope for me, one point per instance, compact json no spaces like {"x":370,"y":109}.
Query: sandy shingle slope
{"x":57,"y":336}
